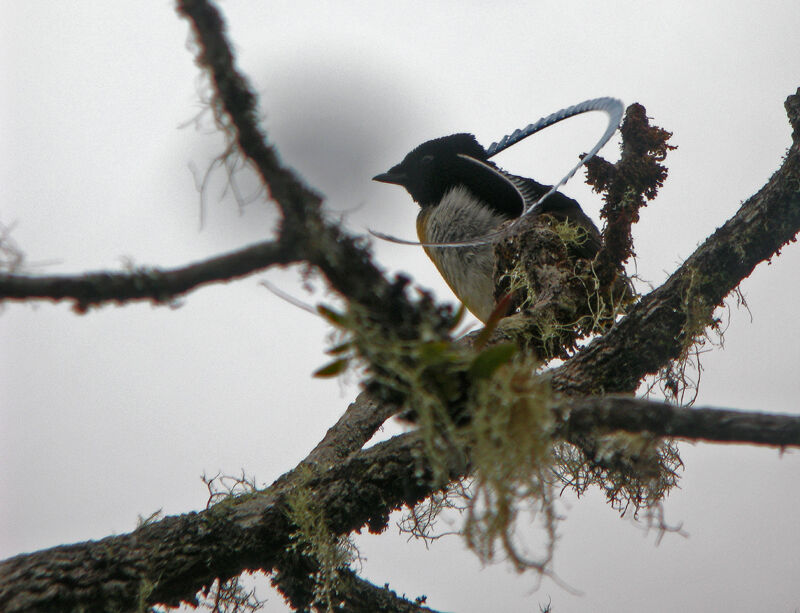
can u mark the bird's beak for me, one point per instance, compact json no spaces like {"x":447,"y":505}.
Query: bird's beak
{"x":398,"y":178}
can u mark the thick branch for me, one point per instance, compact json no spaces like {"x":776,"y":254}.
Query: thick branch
{"x":360,"y":595}
{"x":160,"y":286}
{"x":171,"y":560}
{"x":352,"y":594}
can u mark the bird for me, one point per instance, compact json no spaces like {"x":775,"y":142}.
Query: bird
{"x":463,"y":195}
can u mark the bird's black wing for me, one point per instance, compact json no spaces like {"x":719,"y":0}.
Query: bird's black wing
{"x":493,"y":186}
{"x":510,"y":195}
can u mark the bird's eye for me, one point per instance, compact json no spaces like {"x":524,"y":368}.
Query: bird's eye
{"x":426,"y":160}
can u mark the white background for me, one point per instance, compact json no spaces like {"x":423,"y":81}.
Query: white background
{"x":115,"y":414}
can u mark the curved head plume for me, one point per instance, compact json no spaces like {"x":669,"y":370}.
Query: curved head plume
{"x":461,"y":156}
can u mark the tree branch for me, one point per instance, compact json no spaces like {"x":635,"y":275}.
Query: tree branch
{"x":360,"y":421}
{"x":628,"y":414}
{"x":344,"y":260}
{"x":237,"y":109}
{"x":360,"y":595}
{"x":172,"y":559}
{"x":159,"y":286}
{"x":667,"y":320}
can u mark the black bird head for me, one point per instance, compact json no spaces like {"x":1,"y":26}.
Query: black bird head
{"x":437,"y":166}
{"x":464,"y":196}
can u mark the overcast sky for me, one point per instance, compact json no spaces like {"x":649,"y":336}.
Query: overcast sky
{"x":117,"y":413}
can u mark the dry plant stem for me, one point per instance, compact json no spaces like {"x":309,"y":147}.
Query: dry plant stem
{"x":238,"y":109}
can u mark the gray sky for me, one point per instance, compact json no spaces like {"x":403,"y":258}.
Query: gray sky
{"x":116,"y":414}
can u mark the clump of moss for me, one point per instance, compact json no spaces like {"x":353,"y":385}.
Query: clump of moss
{"x":548,"y":270}
{"x":511,"y":448}
{"x":678,"y":380}
{"x":326,"y":552}
{"x":429,"y":375}
{"x":421,"y":520}
{"x":634,"y":471}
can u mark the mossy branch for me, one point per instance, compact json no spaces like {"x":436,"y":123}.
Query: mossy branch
{"x":628,"y":185}
{"x":178,"y":555}
{"x":159,"y":286}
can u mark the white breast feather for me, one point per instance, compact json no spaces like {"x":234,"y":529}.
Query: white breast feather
{"x":467,"y":270}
